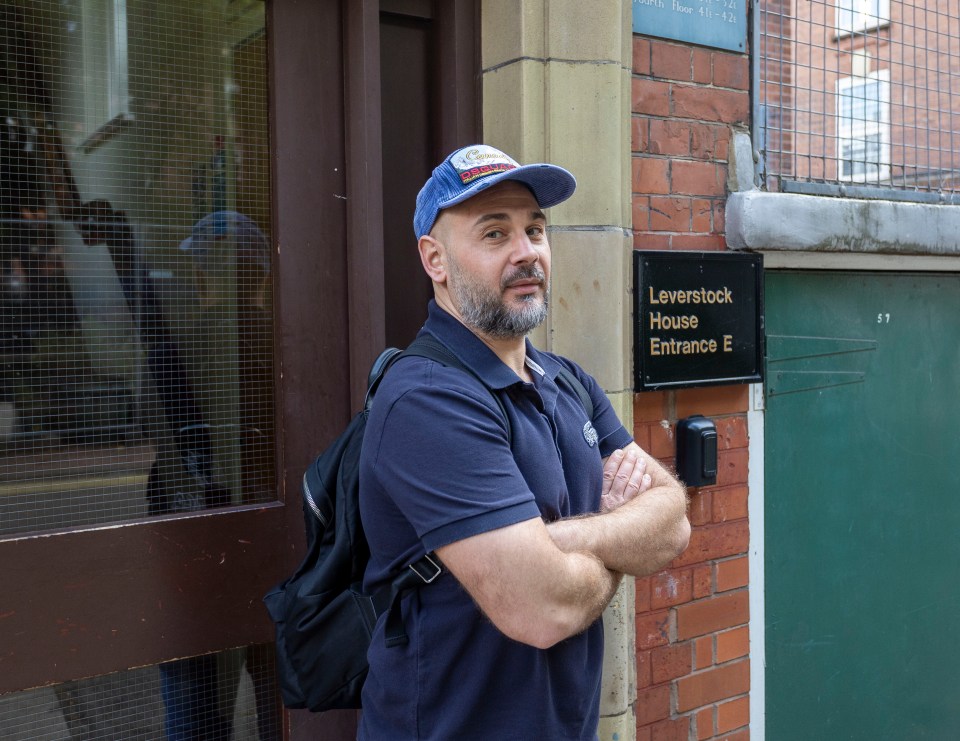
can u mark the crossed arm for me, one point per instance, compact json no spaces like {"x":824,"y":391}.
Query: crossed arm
{"x":541,"y":583}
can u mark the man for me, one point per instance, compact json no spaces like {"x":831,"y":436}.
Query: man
{"x":231,"y":262}
{"x":534,"y":528}
{"x":230,"y":256}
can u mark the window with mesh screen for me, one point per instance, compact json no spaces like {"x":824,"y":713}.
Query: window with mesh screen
{"x":230,"y":696}
{"x":860,"y":97}
{"x":136,"y":357}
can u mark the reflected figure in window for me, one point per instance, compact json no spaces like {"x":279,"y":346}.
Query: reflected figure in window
{"x":34,"y":279}
{"x":231,"y":267}
{"x":231,"y":262}
{"x":35,"y":296}
{"x":182,"y":478}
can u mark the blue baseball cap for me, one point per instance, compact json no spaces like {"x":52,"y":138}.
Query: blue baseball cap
{"x":473,"y":169}
{"x":250,"y":243}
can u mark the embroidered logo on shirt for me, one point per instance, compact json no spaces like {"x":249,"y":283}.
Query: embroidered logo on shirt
{"x":590,"y":434}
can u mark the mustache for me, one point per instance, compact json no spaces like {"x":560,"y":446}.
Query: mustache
{"x":525,"y":272}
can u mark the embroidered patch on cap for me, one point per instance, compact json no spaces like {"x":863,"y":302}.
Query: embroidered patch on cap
{"x":480,"y":161}
{"x":590,"y":434}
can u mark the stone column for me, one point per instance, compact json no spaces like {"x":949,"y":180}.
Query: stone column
{"x":556,"y":88}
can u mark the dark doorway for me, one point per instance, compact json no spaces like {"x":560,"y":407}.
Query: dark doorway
{"x":425,"y":112}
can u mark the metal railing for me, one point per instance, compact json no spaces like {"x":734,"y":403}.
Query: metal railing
{"x":858,"y":97}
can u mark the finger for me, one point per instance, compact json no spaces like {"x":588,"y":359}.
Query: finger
{"x":634,"y":483}
{"x":639,"y":482}
{"x":610,"y":466}
{"x":625,"y":471}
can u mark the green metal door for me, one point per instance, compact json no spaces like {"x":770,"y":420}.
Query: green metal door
{"x":862,"y":506}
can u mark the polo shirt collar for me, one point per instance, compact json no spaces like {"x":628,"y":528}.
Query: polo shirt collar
{"x":473,"y":353}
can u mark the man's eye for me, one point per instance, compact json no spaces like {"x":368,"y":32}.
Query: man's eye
{"x":535,"y":231}
{"x":494,"y":234}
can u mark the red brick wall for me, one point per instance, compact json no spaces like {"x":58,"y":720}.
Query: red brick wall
{"x":693,"y":673}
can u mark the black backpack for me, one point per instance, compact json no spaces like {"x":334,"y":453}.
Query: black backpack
{"x":323,"y":620}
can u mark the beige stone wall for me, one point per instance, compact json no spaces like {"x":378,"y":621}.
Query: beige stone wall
{"x":556,"y":88}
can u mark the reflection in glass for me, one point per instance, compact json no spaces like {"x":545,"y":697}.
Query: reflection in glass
{"x":230,"y":695}
{"x":136,"y":374}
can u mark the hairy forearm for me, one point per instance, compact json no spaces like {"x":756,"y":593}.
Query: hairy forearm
{"x":582,"y":592}
{"x":531,"y":590}
{"x":638,"y":538}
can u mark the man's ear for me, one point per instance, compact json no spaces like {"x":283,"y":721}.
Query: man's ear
{"x":432,"y":258}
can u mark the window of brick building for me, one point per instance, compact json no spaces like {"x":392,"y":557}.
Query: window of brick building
{"x":861,"y":15}
{"x":863,"y":127}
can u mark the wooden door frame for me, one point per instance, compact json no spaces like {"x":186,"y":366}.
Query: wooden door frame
{"x":90,"y":601}
{"x":457,"y":69}
{"x":364,"y":184}
{"x":366,"y":326}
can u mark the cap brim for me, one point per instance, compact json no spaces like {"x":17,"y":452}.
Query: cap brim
{"x":550,"y":184}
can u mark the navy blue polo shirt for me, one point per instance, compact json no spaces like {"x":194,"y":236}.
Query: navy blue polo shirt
{"x":437,"y":467}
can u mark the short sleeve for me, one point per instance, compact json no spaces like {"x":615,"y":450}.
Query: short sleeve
{"x":444,"y":458}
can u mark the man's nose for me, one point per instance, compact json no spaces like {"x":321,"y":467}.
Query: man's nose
{"x":524,"y":250}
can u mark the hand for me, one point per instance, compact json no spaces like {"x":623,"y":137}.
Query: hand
{"x":625,"y":477}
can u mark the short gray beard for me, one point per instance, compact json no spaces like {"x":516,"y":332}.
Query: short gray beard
{"x":486,"y":312}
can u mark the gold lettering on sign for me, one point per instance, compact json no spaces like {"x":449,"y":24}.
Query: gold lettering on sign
{"x":695,"y":296}
{"x":658,"y":321}
{"x":661,"y":347}
{"x":663,"y":322}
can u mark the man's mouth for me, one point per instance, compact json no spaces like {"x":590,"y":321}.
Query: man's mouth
{"x":525,"y":288}
{"x":526,"y":281}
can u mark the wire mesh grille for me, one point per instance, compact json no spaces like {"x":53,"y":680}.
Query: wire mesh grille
{"x":860,"y":97}
{"x":217,"y":697}
{"x":135,"y":261}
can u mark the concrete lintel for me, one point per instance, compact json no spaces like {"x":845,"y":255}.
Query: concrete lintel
{"x":787,"y":221}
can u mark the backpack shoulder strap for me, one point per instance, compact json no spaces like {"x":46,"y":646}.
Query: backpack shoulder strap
{"x":377,"y":371}
{"x":428,"y":346}
{"x":425,"y":569}
{"x":573,"y":383}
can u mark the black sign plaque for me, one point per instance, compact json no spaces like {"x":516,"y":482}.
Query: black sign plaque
{"x":698,"y":319}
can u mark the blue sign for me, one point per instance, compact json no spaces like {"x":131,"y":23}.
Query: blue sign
{"x":721,"y":24}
